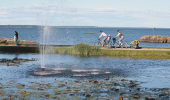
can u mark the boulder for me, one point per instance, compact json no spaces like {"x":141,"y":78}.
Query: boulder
{"x":3,"y":41}
{"x":144,"y":39}
{"x":168,"y":40}
{"x":155,"y":39}
{"x":9,"y":40}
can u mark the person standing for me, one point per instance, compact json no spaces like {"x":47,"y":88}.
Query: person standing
{"x":121,"y":37}
{"x":16,"y":37}
{"x":105,"y":37}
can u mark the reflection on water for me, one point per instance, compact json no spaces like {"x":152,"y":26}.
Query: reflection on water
{"x":154,"y":72}
{"x":74,"y":72}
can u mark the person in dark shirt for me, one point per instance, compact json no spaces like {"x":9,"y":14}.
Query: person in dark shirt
{"x":16,"y":37}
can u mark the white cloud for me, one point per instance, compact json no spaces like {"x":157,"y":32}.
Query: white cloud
{"x":59,"y":15}
{"x":107,"y":9}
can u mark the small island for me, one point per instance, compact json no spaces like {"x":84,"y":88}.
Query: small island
{"x":155,"y":39}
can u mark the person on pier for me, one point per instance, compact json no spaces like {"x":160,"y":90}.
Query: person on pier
{"x":16,"y":38}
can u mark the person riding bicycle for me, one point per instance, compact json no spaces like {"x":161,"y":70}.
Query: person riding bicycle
{"x":108,"y":39}
{"x":121,"y":37}
{"x":105,"y":37}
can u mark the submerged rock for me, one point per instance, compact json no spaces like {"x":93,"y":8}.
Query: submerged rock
{"x":155,"y":39}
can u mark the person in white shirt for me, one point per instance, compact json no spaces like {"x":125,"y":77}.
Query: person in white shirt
{"x":104,"y":35}
{"x":121,"y":37}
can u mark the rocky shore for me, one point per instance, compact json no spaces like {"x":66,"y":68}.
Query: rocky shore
{"x":155,"y":39}
{"x":115,"y":88}
{"x":11,"y":41}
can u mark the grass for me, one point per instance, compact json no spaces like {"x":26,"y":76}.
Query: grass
{"x":78,"y":49}
{"x":155,"y":48}
{"x":87,"y":50}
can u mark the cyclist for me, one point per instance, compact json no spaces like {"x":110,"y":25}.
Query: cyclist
{"x":105,"y":37}
{"x":121,"y":37}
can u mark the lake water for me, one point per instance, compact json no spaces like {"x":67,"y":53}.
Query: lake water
{"x":154,"y":72}
{"x":72,"y":36}
{"x":69,"y":67}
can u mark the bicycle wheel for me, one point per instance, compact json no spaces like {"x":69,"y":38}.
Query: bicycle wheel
{"x":124,"y":44}
{"x":116,"y":44}
{"x":110,"y":44}
{"x":97,"y":44}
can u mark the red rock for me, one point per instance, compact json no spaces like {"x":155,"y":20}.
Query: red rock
{"x":168,"y":40}
{"x":155,"y":39}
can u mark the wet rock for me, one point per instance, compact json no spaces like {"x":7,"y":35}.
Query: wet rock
{"x":83,"y":94}
{"x":136,"y":97}
{"x":131,"y":86}
{"x":161,"y":95}
{"x":95,"y":82}
{"x":88,"y":95}
{"x":136,"y":94}
{"x":124,"y":80}
{"x":116,"y":84}
{"x":71,"y":95}
{"x":120,"y":93}
{"x":90,"y":81}
{"x":76,"y":81}
{"x":40,"y":89}
{"x":47,"y":95}
{"x":152,"y":99}
{"x":138,"y":89}
{"x":106,"y":79}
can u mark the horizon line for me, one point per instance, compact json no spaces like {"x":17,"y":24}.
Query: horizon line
{"x":72,"y":26}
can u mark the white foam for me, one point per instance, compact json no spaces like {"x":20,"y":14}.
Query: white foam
{"x":108,"y":72}
{"x":46,"y":73}
{"x":80,"y":75}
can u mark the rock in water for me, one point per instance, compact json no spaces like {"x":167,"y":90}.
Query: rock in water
{"x":9,"y":40}
{"x":155,"y":39}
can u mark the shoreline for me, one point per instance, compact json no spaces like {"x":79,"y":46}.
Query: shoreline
{"x":141,"y":53}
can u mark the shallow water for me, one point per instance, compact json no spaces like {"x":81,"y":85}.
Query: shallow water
{"x":154,"y":72}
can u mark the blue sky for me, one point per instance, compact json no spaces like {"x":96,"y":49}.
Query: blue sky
{"x":104,"y":13}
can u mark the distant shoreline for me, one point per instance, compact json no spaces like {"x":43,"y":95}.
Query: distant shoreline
{"x":39,"y":26}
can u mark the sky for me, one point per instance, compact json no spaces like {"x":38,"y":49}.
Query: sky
{"x":102,"y":13}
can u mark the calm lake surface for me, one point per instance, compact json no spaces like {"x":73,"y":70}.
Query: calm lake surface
{"x":72,"y":36}
{"x":154,"y":72}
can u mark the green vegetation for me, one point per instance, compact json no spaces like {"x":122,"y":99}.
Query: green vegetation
{"x":155,"y":48}
{"x":86,"y":50}
{"x":79,"y":49}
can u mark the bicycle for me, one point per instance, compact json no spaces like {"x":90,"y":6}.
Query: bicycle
{"x":98,"y":43}
{"x":116,"y":43}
